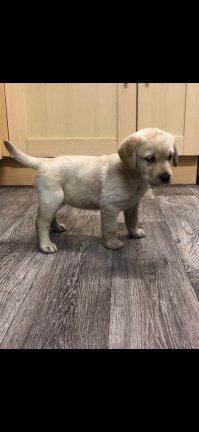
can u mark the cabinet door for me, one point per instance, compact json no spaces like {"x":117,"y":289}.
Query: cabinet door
{"x":3,"y":118}
{"x":191,"y":139}
{"x":55,"y":119}
{"x":163,"y":106}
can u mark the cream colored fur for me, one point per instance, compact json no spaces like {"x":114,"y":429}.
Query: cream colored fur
{"x":111,"y":183}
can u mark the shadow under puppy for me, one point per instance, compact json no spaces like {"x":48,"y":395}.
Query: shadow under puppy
{"x":109,"y":183}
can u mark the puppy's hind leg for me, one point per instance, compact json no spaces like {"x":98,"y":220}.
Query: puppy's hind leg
{"x":49,"y":203}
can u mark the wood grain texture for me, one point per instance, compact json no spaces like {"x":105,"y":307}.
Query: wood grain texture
{"x":14,"y":203}
{"x":20,"y":263}
{"x":85,"y":296}
{"x":15,"y":102}
{"x":173,"y":190}
{"x":194,"y":190}
{"x":14,"y":173}
{"x":50,"y":119}
{"x":127,"y":95}
{"x":71,"y":110}
{"x":149,"y":210}
{"x":68,"y":305}
{"x":50,"y":147}
{"x":182,"y":216}
{"x":3,"y":119}
{"x":162,"y":105}
{"x":186,"y":171}
{"x":191,"y":144}
{"x":153,"y":304}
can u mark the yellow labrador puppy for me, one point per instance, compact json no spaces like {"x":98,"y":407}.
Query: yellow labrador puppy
{"x":110,"y":183}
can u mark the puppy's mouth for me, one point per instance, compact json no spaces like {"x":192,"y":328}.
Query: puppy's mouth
{"x":161,"y":182}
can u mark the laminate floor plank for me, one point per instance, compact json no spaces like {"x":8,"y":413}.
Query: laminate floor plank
{"x":153,"y":304}
{"x":68,"y":305}
{"x":182,"y":215}
{"x":145,"y":295}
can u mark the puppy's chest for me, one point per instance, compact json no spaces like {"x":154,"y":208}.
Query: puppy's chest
{"x":135,"y":192}
{"x":124,"y":194}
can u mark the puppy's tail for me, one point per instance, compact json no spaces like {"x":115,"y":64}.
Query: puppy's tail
{"x":25,"y":159}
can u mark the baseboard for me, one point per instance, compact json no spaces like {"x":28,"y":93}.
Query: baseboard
{"x":186,"y":172}
{"x":13,"y":173}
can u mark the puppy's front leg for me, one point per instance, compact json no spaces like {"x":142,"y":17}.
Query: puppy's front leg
{"x":131,"y":220}
{"x":109,"y":216}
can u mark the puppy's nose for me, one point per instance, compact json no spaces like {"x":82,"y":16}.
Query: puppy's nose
{"x":165,"y":177}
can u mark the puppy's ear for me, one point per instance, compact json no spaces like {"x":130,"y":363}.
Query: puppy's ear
{"x":175,"y":157}
{"x":128,"y":148}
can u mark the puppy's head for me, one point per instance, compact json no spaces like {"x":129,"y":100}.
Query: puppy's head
{"x":152,"y":152}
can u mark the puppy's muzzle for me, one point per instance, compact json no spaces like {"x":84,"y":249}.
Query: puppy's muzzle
{"x":165,"y":177}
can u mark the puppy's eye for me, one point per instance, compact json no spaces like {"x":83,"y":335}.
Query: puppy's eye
{"x":170,"y":157}
{"x":150,"y":159}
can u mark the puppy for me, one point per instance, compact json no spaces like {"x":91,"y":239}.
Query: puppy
{"x":109,"y":183}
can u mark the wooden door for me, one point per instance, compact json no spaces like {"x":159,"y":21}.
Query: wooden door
{"x":3,"y":118}
{"x":54,"y":119}
{"x":163,"y":106}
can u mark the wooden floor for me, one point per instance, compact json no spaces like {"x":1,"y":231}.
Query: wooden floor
{"x":145,"y":295}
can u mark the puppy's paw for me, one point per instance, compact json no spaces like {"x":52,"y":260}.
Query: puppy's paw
{"x":137,"y":234}
{"x":58,"y":227}
{"x":48,"y":248}
{"x":113,"y":244}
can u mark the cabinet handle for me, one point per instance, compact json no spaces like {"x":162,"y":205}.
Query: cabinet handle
{"x":125,"y":85}
{"x":146,"y":84}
